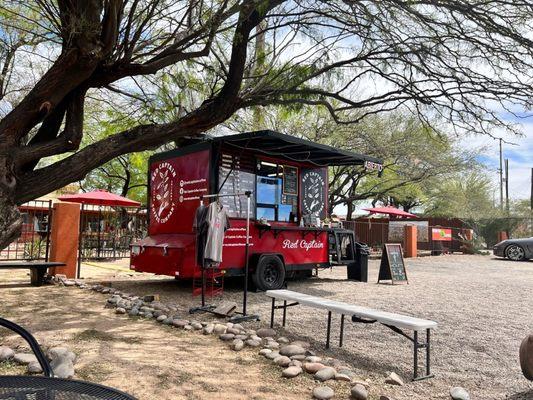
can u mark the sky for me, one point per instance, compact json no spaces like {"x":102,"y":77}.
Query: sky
{"x":520,"y":157}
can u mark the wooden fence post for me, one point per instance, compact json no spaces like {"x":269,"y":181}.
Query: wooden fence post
{"x":64,"y":238}
{"x":411,"y":241}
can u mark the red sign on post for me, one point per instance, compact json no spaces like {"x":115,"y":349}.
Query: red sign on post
{"x":441,"y":234}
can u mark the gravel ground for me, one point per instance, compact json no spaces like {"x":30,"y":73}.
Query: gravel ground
{"x":483,"y":306}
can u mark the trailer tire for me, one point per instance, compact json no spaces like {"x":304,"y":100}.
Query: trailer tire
{"x":269,"y":273}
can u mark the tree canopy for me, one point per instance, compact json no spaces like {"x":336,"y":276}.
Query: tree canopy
{"x":457,"y":60}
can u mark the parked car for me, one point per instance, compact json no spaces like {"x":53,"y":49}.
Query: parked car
{"x":515,"y":249}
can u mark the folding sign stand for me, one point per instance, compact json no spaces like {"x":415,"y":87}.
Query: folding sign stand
{"x":210,"y":308}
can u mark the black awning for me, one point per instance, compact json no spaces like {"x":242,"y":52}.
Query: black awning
{"x":291,"y":148}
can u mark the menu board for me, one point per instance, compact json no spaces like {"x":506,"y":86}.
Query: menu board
{"x":392,"y":265}
{"x":236,"y":182}
{"x":314,"y":192}
{"x":290,"y":180}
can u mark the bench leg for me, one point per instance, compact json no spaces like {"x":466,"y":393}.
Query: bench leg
{"x":284,"y":312}
{"x":427,"y":347}
{"x":342,"y":330}
{"x":37,"y":276}
{"x":272,"y":313}
{"x":329,"y":330}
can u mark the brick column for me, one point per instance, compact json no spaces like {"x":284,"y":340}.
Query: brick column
{"x":410,"y":241}
{"x":64,"y":238}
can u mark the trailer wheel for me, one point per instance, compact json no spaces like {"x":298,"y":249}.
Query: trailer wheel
{"x":269,"y":273}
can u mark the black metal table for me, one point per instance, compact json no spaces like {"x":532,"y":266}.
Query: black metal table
{"x":45,"y":388}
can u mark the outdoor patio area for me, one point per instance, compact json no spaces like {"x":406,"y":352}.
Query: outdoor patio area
{"x":479,"y":302}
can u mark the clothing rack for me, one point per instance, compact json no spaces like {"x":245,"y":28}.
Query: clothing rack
{"x":243,"y":315}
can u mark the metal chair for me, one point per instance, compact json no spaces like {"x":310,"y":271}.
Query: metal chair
{"x":27,"y":336}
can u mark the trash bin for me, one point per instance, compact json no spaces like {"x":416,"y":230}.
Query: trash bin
{"x":358,"y":270}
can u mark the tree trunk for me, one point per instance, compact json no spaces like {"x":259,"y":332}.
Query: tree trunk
{"x":350,"y":210}
{"x":10,"y":218}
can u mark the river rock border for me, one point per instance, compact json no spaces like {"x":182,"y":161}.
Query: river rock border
{"x":294,"y":358}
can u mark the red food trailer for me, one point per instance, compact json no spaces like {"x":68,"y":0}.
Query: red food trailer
{"x":288,"y":178}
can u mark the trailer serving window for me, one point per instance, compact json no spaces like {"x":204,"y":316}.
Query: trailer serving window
{"x":277,"y":192}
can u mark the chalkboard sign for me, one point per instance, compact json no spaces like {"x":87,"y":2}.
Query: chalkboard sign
{"x":392,"y":266}
{"x":314,"y":191}
{"x":290,"y":180}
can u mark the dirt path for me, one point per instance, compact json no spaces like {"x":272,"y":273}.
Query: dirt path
{"x":483,"y":306}
{"x":148,"y":360}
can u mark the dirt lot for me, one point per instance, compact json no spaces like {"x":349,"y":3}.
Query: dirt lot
{"x":483,"y":306}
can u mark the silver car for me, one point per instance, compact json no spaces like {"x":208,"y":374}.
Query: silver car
{"x":515,"y":249}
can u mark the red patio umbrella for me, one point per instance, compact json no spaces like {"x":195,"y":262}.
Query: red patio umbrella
{"x":100,"y":198}
{"x":390,"y":211}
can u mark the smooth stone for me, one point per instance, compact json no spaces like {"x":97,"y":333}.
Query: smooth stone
{"x":342,"y":377}
{"x":272,"y":355}
{"x":148,"y":315}
{"x":6,"y":353}
{"x":313,"y":368}
{"x":24,"y":359}
{"x":271,"y":345}
{"x":167,"y":321}
{"x":282,"y":361}
{"x":291,"y":372}
{"x":325,"y":374}
{"x":385,"y":398}
{"x":242,"y":337}
{"x":180,"y":323}
{"x":208,"y":330}
{"x":313,"y":359}
{"x":252,"y":343}
{"x":226,"y":336}
{"x":188,"y":327}
{"x":61,"y":352}
{"x":219,"y":329}
{"x":305,"y":345}
{"x":233,"y":330}
{"x":323,"y":393}
{"x":197,"y":326}
{"x":157,"y":313}
{"x":359,"y":392}
{"x":134,"y":312}
{"x":291,"y":350}
{"x":120,"y":310}
{"x":394,"y":379}
{"x":35,"y":368}
{"x":237,"y":345}
{"x":229,"y":324}
{"x":296,"y":363}
{"x":459,"y":393}
{"x":266,"y":332}
{"x":63,"y":368}
{"x":238,"y":326}
{"x":161,"y":318}
{"x":265,"y":352}
{"x":299,"y":357}
{"x":283,"y":340}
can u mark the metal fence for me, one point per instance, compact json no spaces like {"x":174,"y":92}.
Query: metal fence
{"x":435,"y":235}
{"x":34,"y":241}
{"x":107,"y":232}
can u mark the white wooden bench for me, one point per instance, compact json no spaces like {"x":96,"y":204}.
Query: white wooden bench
{"x":396,"y":322}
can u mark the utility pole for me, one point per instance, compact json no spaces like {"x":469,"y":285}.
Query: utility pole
{"x":500,"y":171}
{"x":531,"y":198}
{"x":507,"y":208}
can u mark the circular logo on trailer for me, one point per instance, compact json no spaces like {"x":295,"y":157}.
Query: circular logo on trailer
{"x":162,"y":187}
{"x":313,"y":188}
